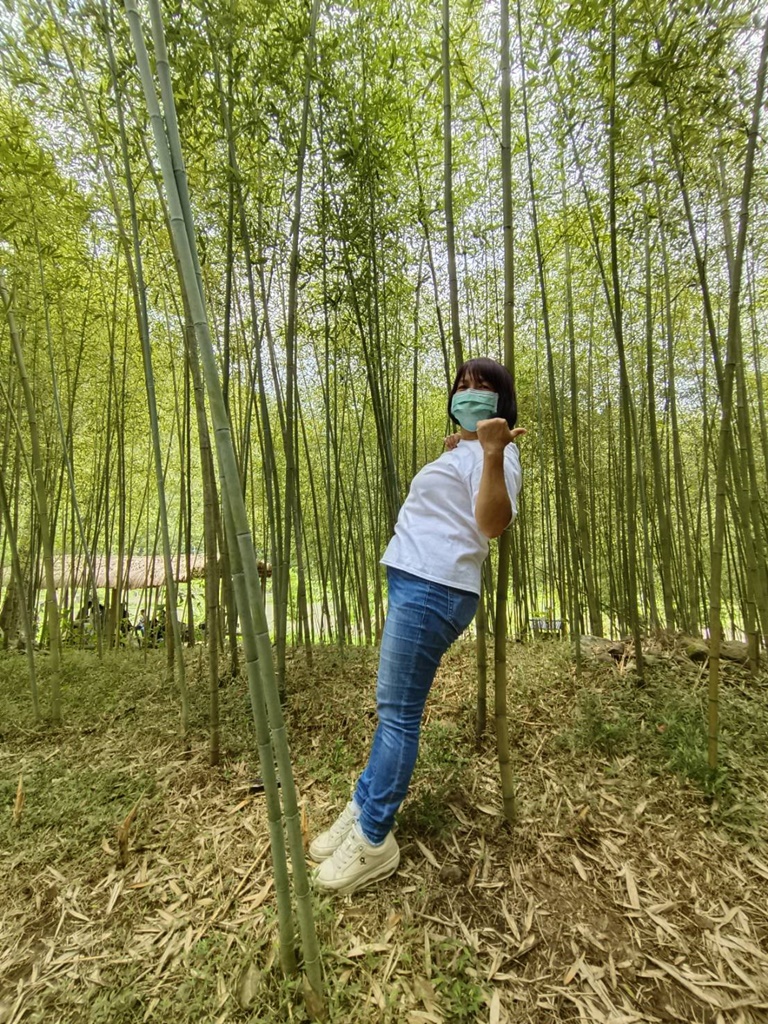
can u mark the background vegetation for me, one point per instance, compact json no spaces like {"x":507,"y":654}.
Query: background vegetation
{"x":628,"y":144}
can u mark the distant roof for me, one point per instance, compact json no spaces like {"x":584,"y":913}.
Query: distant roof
{"x":138,"y":571}
{"x":141,"y":570}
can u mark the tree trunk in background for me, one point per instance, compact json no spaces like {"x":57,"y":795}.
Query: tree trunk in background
{"x":627,"y":412}
{"x":732,"y":360}
{"x":505,"y":541}
{"x":17,"y":581}
{"x":293,"y":520}
{"x":660,"y":492}
{"x":450,"y":236}
{"x":41,"y":502}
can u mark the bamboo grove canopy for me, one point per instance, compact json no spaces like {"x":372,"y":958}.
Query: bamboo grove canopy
{"x":624,"y":231}
{"x":366,"y":220}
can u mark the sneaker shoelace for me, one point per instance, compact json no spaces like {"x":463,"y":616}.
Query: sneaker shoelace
{"x":341,"y":825}
{"x":348,"y":850}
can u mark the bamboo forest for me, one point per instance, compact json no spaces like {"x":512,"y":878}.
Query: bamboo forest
{"x":256,"y":257}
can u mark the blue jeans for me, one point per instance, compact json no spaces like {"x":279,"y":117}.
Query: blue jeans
{"x":423,"y":620}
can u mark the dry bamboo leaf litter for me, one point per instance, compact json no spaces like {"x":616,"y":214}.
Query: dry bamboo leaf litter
{"x":196,"y":875}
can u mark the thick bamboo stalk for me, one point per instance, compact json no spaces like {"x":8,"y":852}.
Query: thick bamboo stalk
{"x":687,"y":598}
{"x":584,"y":544}
{"x":631,"y":455}
{"x":749,"y":491}
{"x":256,"y":640}
{"x":173,"y":637}
{"x":505,"y":543}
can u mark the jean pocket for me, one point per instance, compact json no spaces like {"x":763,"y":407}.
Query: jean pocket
{"x":463,"y":608}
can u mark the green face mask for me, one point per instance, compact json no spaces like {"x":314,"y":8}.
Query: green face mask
{"x":473,"y":405}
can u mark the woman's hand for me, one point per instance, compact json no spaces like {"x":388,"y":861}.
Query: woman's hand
{"x":451,"y":441}
{"x":494,"y":435}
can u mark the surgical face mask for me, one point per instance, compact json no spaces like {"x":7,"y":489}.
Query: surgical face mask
{"x":473,"y":405}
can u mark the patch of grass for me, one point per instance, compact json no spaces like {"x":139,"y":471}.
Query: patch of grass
{"x":427,"y":814}
{"x":198,"y":989}
{"x":681,"y":732}
{"x":599,"y":727}
{"x":664,"y":727}
{"x":69,"y":807}
{"x":460,"y":994}
{"x":443,"y":763}
{"x":120,"y":1005}
{"x":93,"y":692}
{"x":442,"y":750}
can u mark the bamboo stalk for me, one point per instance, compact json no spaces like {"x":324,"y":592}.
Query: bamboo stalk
{"x":257,"y":644}
{"x":41,"y":504}
{"x":733,"y":357}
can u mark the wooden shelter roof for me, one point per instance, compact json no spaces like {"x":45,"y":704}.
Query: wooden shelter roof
{"x":141,"y":570}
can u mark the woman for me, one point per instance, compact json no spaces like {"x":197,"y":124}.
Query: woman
{"x":454,"y":506}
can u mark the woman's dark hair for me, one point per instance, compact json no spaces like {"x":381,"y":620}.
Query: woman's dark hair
{"x":500,"y":380}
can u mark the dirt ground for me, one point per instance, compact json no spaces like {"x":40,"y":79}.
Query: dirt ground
{"x":633,"y":885}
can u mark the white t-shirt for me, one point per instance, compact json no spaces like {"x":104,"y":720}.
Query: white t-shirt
{"x":436,"y":535}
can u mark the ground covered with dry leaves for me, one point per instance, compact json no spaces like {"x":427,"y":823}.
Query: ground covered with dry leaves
{"x":633,"y":887}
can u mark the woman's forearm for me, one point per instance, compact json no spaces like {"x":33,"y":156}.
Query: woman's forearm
{"x":493,"y":509}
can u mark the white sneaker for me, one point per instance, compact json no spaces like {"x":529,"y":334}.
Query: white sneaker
{"x":357,"y":863}
{"x":328,"y":842}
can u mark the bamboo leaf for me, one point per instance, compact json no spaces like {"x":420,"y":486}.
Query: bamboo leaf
{"x":18,"y":804}
{"x":123,"y":834}
{"x":248,"y":985}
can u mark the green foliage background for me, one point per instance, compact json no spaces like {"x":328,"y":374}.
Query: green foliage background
{"x":368,"y":299}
